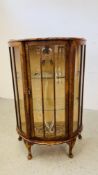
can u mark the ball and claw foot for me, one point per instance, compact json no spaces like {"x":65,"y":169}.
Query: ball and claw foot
{"x":19,"y":138}
{"x":79,"y":136}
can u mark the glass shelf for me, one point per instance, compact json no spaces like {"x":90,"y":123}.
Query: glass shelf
{"x":46,"y":75}
{"x":62,"y":109}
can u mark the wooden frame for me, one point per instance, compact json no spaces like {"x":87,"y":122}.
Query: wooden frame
{"x":70,"y":45}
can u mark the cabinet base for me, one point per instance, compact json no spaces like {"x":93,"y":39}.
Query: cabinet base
{"x":29,"y":143}
{"x":70,"y":143}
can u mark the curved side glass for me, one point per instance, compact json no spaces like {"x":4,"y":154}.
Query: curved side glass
{"x":20,"y":88}
{"x":76,"y":89}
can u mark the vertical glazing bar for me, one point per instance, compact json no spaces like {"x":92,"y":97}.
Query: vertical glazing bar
{"x":83,"y":82}
{"x":54,"y":92}
{"x":15,"y":103}
{"x":30,"y":93}
{"x":66,"y":89}
{"x":17,"y":88}
{"x":42,"y":93}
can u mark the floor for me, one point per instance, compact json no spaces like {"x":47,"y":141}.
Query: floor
{"x":52,"y":160}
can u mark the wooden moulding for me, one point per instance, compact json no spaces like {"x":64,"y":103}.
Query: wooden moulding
{"x":50,"y":39}
{"x":39,"y":141}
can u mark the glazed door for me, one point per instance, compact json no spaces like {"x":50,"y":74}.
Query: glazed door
{"x":48,"y":82}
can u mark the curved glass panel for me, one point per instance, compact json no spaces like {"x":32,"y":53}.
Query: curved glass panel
{"x":76,"y":89}
{"x":20,"y":88}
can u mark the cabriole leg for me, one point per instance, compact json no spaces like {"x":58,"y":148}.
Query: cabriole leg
{"x":71,"y":145}
{"x":28,"y":145}
{"x":29,"y":152}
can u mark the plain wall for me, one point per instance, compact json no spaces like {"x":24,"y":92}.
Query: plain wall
{"x":44,"y":18}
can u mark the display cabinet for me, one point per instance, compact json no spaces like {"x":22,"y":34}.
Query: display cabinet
{"x":48,"y":82}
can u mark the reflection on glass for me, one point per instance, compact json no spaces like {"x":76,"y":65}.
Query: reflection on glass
{"x":76,"y":89}
{"x":20,"y":88}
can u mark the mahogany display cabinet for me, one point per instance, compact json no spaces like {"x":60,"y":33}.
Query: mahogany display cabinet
{"x":48,"y":82}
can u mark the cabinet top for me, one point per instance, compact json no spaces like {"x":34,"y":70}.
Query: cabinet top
{"x":49,"y":39}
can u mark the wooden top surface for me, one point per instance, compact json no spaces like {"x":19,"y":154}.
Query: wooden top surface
{"x":47,"y":39}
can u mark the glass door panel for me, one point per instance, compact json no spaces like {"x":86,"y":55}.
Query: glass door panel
{"x":47,"y":66}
